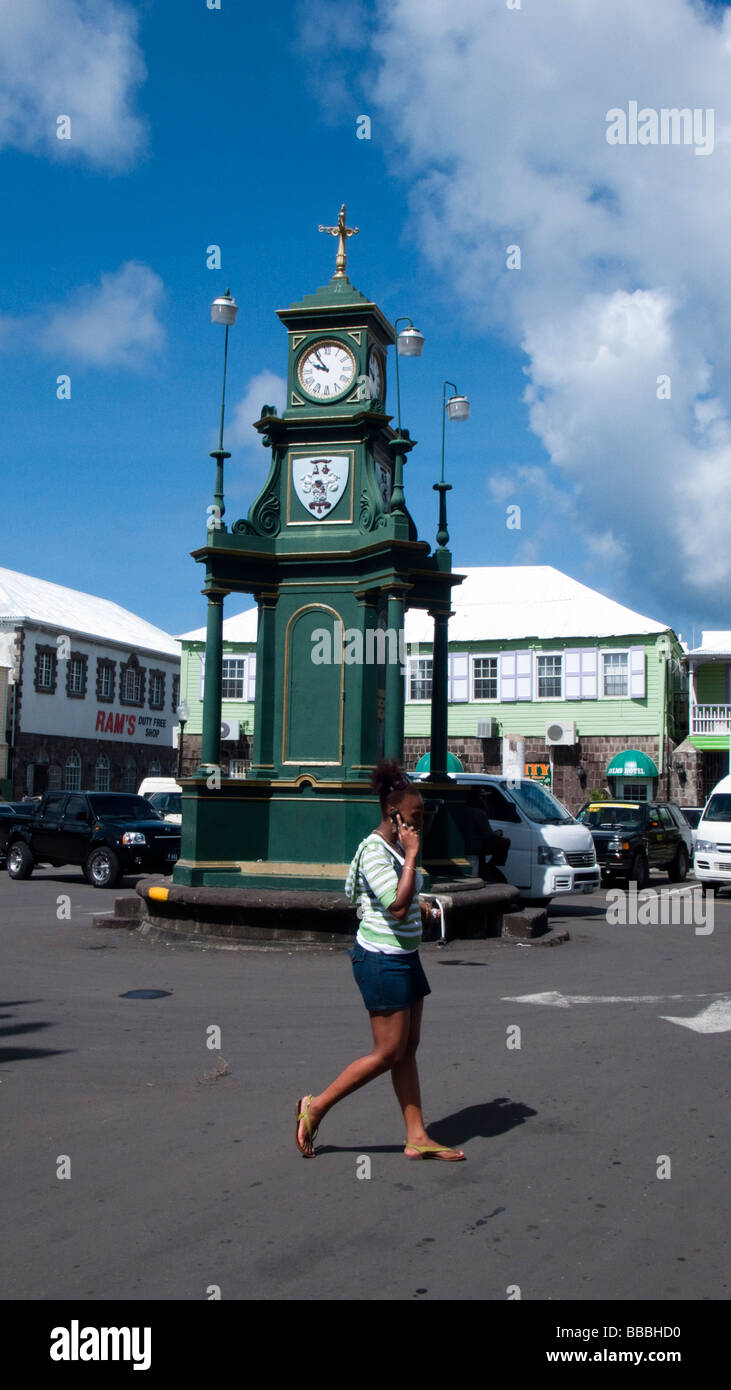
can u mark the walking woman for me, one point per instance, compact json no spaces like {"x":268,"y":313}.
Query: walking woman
{"x":384,"y":880}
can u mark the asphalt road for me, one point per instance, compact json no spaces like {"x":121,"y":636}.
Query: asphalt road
{"x":183,"y":1168}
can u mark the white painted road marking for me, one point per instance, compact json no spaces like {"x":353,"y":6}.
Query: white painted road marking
{"x":716,"y":1018}
{"x":564,"y":1001}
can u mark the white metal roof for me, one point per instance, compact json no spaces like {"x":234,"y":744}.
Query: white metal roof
{"x":242,"y":627}
{"x":713,"y":644}
{"x":509,"y":602}
{"x":25,"y":599}
{"x":502,"y":603}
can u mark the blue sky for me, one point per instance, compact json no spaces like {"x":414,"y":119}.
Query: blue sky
{"x":237,"y":127}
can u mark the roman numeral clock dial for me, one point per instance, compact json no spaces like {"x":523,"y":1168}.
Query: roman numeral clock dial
{"x":326,"y":370}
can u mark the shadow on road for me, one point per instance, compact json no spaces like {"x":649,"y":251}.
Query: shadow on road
{"x":24,"y":1054}
{"x":474,"y":1122}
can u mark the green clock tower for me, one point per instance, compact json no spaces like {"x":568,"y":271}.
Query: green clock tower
{"x":331,"y":555}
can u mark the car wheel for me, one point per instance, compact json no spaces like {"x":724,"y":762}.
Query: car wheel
{"x":102,"y":868}
{"x":20,"y":860}
{"x":679,"y":868}
{"x":639,"y":872}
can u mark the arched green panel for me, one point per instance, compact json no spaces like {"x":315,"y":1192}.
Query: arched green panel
{"x":313,"y":689}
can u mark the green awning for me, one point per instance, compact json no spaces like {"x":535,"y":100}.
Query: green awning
{"x":633,"y":763}
{"x":453,"y":763}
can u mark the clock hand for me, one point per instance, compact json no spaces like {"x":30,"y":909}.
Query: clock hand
{"x":322,"y":364}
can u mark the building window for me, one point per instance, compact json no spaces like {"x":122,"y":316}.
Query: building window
{"x":46,"y":667}
{"x":176,"y":692}
{"x":420,"y":678}
{"x":129,"y":776}
{"x":55,"y":777}
{"x":157,"y":689}
{"x":76,"y":676}
{"x":238,"y":767}
{"x":132,"y":683}
{"x":549,"y":678}
{"x":105,"y":678}
{"x":484,"y":678}
{"x":615,"y":678}
{"x":154,"y":770}
{"x":101,"y":774}
{"x":72,"y":772}
{"x":635,"y":791}
{"x":232,"y":674}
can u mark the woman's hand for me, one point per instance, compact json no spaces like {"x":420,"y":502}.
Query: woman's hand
{"x":409,"y":838}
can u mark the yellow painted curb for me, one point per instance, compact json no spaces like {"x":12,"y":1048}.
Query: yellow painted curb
{"x":160,"y":893}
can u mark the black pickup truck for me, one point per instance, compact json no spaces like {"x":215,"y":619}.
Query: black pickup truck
{"x":107,"y":833}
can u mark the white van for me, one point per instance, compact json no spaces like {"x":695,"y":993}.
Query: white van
{"x":550,"y":853}
{"x":712,"y":860}
{"x":165,"y":795}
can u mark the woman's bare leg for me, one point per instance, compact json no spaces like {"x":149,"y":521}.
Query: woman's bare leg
{"x":390,"y":1036}
{"x":405,"y":1079}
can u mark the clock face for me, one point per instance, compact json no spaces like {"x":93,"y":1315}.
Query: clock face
{"x":375,"y":376}
{"x":326,"y":370}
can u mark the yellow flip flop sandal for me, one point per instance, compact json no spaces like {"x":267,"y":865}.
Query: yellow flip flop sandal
{"x":433,"y":1151}
{"x":304,"y":1114}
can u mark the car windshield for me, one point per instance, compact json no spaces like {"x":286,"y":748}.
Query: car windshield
{"x":612,"y":817}
{"x":719,"y":807}
{"x":167,"y":803}
{"x":126,"y":807}
{"x":539,"y":805}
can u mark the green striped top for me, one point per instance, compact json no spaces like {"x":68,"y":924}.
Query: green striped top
{"x":373,"y":881}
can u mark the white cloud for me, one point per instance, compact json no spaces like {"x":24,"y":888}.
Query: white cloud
{"x":76,"y":58}
{"x":498,"y":117}
{"x":114,"y":323}
{"x":266,"y":388}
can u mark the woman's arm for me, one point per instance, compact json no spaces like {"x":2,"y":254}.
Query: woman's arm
{"x":410,"y":841}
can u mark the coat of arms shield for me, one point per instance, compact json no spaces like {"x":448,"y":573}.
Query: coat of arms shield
{"x":320,"y":481}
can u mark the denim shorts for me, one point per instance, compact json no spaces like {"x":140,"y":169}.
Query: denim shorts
{"x":387,"y":981}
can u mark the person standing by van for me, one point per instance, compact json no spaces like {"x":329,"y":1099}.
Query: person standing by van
{"x":481,"y":841}
{"x":385,"y":881}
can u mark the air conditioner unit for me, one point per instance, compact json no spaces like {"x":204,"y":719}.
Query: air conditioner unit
{"x":229,"y":730}
{"x":487,"y":728}
{"x":560,"y":733}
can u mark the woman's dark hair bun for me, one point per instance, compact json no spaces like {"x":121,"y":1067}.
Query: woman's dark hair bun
{"x":388,"y":776}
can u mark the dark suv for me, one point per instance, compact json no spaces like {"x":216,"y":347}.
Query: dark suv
{"x":107,"y":833}
{"x":631,"y":838}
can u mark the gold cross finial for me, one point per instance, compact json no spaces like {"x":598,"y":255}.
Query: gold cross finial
{"x":342,"y":232}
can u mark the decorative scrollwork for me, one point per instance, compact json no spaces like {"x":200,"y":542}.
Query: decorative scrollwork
{"x":367,"y":515}
{"x":265,"y":518}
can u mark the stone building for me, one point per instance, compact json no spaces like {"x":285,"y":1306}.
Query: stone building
{"x":92,"y":694}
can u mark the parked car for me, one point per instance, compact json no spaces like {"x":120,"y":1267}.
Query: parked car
{"x":107,"y":833}
{"x":712,"y":863}
{"x":631,"y":838}
{"x":692,"y":815}
{"x":165,"y":794}
{"x":10,"y":810}
{"x":169,"y":805}
{"x":550,"y":853}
